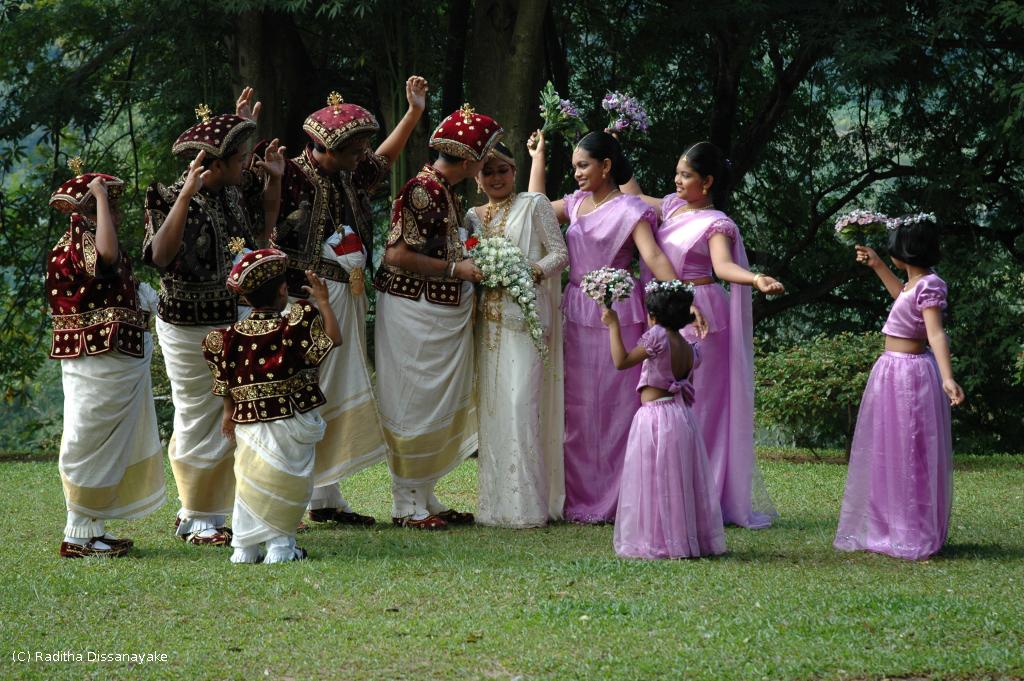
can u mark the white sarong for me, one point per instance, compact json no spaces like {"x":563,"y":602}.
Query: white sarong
{"x":425,"y":382}
{"x":274,"y":476}
{"x":111,"y":462}
{"x":201,"y":457}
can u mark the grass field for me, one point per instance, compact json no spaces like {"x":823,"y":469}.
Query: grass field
{"x":481,"y":603}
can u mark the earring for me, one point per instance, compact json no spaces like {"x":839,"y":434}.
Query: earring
{"x":704,"y":191}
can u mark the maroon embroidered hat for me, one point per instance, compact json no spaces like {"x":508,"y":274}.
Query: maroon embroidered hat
{"x":338,"y":122}
{"x":218,"y":136}
{"x":74,"y":195}
{"x":466,"y":134}
{"x":255,"y":269}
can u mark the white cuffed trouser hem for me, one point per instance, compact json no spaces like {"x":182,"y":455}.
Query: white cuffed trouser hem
{"x":191,"y":523}
{"x":83,"y":527}
{"x":246,"y":554}
{"x":417,"y":501}
{"x":328,"y":496}
{"x":280,"y":549}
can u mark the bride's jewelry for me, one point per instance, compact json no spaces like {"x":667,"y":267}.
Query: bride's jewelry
{"x":491,"y":212}
{"x":688,"y":207}
{"x":598,"y":204}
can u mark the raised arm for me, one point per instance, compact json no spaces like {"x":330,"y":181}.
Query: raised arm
{"x":538,"y":173}
{"x":106,"y":235}
{"x":867,"y":256}
{"x":633,"y":187}
{"x":272,"y":165}
{"x":416,"y":89}
{"x":621,"y":358}
{"x":317,"y":290}
{"x":167,"y":240}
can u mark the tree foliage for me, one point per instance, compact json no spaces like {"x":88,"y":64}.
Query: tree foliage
{"x":822,"y":106}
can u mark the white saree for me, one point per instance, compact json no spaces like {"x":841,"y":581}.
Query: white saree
{"x":520,"y":474}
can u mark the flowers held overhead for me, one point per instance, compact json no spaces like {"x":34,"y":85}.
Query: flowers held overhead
{"x":625,"y":113}
{"x":895,"y":223}
{"x":607,"y":285}
{"x":857,"y":227}
{"x":560,"y":115}
{"x":505,"y":267}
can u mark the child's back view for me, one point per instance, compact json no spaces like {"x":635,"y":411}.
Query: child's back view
{"x":668,"y":507}
{"x":265,"y":366}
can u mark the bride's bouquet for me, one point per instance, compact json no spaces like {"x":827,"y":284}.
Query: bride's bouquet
{"x":560,"y":115}
{"x":859,"y":226}
{"x":625,"y":112}
{"x":607,"y":285}
{"x":505,"y":267}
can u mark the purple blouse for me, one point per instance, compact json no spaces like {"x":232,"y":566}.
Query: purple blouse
{"x":657,"y":368}
{"x":906,"y":317}
{"x":691,"y":256}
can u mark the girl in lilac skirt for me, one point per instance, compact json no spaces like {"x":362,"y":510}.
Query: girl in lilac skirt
{"x":668,"y":506}
{"x":899,"y":485}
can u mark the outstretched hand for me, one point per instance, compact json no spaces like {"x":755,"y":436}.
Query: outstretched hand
{"x":244,"y":107}
{"x":317,"y":289}
{"x":867,"y":256}
{"x":416,"y":89}
{"x":273,"y":159}
{"x":769,"y":285}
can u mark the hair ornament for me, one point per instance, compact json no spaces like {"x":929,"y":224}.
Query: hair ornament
{"x":671,"y":286}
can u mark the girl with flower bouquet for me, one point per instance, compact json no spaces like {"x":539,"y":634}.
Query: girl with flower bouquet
{"x":668,"y":505}
{"x":519,"y":352}
{"x":899,"y":486}
{"x":607,"y":228}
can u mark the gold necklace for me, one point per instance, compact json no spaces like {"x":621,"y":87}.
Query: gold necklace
{"x":598,"y":204}
{"x":491,"y":212}
{"x":688,"y":208}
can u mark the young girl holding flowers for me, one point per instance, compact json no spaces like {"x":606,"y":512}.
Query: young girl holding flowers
{"x":668,"y":506}
{"x":899,"y":482}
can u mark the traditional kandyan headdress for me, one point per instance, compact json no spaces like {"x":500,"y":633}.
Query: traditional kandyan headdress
{"x":466,"y":134}
{"x":255,"y":269}
{"x":338,"y":122}
{"x":74,"y":196}
{"x":218,"y":136}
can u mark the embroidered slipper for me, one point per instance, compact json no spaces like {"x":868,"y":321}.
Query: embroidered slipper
{"x":73,"y":550}
{"x":217,"y":539}
{"x":431,"y":522}
{"x":336,"y":515}
{"x":453,"y":517}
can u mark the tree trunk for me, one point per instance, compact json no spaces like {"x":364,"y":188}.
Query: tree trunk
{"x":507,"y":68}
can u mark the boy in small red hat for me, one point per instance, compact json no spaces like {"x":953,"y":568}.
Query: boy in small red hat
{"x":111,"y":460}
{"x":265,"y":368}
{"x":423,"y":334}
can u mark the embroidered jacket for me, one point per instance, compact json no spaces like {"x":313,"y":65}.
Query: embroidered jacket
{"x":95,"y":309}
{"x":192,"y":291}
{"x":315,"y":205}
{"x":268,"y":363}
{"x":426,"y":216}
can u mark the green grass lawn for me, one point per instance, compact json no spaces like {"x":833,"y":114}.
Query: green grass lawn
{"x":553,"y":603}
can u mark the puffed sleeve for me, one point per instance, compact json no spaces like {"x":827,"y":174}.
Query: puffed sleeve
{"x":304,"y":334}
{"x":371,"y":170}
{"x":213,"y":352}
{"x":722,"y":226}
{"x":412,"y":207}
{"x":931,"y":293}
{"x":654,"y":341}
{"x":545,"y":223}
{"x":571,"y":200}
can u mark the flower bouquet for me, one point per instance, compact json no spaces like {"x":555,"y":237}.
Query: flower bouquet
{"x":625,"y":112}
{"x":505,"y":267}
{"x":859,"y":226}
{"x":607,"y":285}
{"x":560,"y":115}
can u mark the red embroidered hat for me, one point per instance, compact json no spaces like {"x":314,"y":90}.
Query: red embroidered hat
{"x":466,"y":134}
{"x":255,"y":269}
{"x":73,"y":196}
{"x":338,"y":122}
{"x":218,"y":136}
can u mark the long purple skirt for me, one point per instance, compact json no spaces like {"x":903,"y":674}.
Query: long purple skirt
{"x":668,"y":504}
{"x":899,"y":485}
{"x":600,"y":402}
